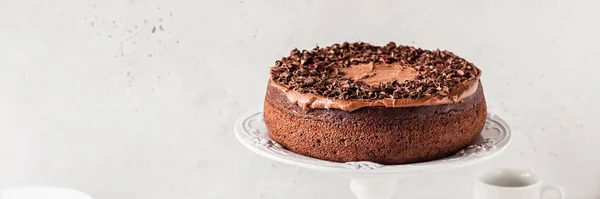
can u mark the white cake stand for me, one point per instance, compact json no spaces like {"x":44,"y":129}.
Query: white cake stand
{"x":371,"y":180}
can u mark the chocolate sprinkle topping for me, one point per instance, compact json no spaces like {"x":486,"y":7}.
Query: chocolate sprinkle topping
{"x":317,"y":71}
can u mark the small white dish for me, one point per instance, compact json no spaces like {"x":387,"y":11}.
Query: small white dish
{"x":42,"y":192}
{"x":513,"y":184}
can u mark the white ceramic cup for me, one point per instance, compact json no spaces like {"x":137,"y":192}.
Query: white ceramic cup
{"x":42,"y":193}
{"x":511,"y":184}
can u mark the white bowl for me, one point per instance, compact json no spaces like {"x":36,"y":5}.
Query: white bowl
{"x":40,"y":192}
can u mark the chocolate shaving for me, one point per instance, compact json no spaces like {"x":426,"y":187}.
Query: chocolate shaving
{"x":317,"y":71}
{"x":309,"y":81}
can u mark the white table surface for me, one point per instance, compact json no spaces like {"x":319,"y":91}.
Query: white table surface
{"x":92,"y":98}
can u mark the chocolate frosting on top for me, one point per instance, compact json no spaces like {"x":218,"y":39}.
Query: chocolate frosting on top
{"x":374,"y":74}
{"x":350,"y":76}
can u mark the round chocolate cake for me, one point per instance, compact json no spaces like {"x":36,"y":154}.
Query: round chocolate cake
{"x":389,"y":104}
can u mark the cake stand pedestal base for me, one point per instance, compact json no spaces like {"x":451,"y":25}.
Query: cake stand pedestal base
{"x":371,"y":180}
{"x":383,"y":188}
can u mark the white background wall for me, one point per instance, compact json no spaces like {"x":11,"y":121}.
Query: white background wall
{"x":92,"y":98}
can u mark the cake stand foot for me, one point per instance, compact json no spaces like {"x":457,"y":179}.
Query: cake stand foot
{"x":374,"y":188}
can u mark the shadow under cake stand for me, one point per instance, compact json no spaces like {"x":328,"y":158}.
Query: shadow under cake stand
{"x":370,"y":180}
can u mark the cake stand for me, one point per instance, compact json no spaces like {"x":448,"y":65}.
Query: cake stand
{"x":370,"y":180}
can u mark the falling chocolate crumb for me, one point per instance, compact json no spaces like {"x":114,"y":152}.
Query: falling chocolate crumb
{"x":317,"y":71}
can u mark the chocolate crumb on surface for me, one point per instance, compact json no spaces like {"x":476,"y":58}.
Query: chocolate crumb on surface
{"x":317,"y":71}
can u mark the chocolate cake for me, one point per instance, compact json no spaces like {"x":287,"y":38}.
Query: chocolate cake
{"x":389,"y":104}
